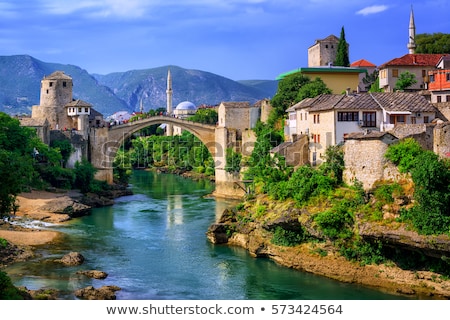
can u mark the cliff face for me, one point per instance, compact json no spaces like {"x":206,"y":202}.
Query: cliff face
{"x":322,"y":257}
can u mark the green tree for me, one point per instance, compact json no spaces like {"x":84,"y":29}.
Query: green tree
{"x":312,"y":89}
{"x":84,"y":175}
{"x":287,"y":93}
{"x":433,"y":43}
{"x":342,"y":58}
{"x":205,"y":115}
{"x":292,"y":89}
{"x":16,"y":169}
{"x":405,"y":80}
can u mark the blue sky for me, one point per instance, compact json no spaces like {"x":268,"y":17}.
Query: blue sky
{"x":238,"y":39}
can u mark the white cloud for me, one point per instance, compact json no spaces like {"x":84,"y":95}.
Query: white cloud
{"x":372,"y":10}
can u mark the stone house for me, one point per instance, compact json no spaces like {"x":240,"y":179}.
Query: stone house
{"x":364,"y":158}
{"x":328,"y":118}
{"x":418,"y":64}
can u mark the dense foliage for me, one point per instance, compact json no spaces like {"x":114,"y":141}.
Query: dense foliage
{"x":292,"y":89}
{"x":184,"y":152}
{"x":433,"y":43}
{"x":205,"y":115}
{"x":431,"y":177}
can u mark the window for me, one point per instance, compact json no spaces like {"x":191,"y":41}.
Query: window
{"x":50,"y":84}
{"x":317,"y":118}
{"x":348,"y":116}
{"x":426,"y":119}
{"x":431,"y":77}
{"x":413,"y":120}
{"x":447,"y":98}
{"x":447,"y":76}
{"x":439,"y":99}
{"x":424,"y":73}
{"x":369,"y":119}
{"x":64,"y":84}
{"x":86,"y":110}
{"x":301,"y":116}
{"x":395,"y":73}
{"x":79,"y":110}
{"x":397,"y":119}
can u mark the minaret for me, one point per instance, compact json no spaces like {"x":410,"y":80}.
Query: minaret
{"x":412,"y":34}
{"x":169,"y":92}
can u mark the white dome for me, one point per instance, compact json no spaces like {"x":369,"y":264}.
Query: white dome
{"x":186,"y":105}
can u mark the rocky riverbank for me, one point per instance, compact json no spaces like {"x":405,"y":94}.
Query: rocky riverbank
{"x":322,"y":257}
{"x":38,"y":207}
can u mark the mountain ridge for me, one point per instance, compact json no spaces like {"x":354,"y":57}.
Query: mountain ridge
{"x":20,"y":77}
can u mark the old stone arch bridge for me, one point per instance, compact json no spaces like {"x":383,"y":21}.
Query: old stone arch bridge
{"x":105,"y":142}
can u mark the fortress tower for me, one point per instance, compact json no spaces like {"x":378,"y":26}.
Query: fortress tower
{"x":56,"y":93}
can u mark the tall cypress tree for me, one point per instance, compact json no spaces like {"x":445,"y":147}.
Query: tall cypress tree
{"x":342,"y":58}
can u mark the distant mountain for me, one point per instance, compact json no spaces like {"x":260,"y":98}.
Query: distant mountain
{"x":20,"y":78}
{"x":20,"y":85}
{"x":198,"y":87}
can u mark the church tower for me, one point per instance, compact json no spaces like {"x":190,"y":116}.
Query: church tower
{"x":412,"y":34}
{"x":169,"y":92}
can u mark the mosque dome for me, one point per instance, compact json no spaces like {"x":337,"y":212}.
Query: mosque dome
{"x":186,"y":106}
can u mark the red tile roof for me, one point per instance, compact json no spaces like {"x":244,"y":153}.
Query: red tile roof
{"x":362,"y":63}
{"x":418,"y":59}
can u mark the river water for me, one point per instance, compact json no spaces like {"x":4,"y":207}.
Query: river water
{"x":153,"y":245}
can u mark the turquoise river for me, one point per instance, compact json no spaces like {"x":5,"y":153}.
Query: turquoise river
{"x":153,"y":246}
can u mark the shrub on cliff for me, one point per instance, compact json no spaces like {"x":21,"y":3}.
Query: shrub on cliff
{"x":431,"y":177}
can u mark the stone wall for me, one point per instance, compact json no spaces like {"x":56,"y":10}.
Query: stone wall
{"x":422,"y":133}
{"x":442,"y":140}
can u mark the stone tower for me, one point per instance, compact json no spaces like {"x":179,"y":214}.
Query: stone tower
{"x":323,"y":52}
{"x":56,"y":93}
{"x":169,"y":92}
{"x":412,"y":34}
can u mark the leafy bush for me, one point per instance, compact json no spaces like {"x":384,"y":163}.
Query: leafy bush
{"x":404,"y":154}
{"x":288,"y":238}
{"x":385,"y":193}
{"x":338,"y":221}
{"x":84,"y":175}
{"x":364,"y":252}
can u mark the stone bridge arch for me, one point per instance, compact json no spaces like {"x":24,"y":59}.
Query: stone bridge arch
{"x":105,"y":142}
